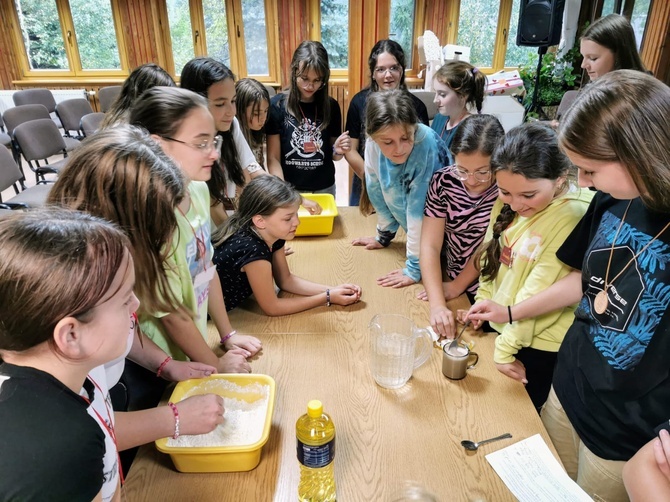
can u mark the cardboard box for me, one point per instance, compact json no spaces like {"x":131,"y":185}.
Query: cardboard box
{"x":505,"y":83}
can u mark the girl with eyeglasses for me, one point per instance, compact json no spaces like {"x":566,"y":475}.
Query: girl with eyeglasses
{"x":399,"y":163}
{"x":459,"y":88}
{"x":237,"y":164}
{"x":537,"y":208}
{"x":182,"y":124}
{"x":387,"y":71}
{"x":303,"y":130}
{"x":457,"y":213}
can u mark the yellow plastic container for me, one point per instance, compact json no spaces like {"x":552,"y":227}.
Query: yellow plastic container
{"x":223,"y":458}
{"x":317,"y":224}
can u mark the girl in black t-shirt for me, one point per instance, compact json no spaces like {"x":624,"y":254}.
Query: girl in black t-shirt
{"x":247,"y":260}
{"x":304,"y":127}
{"x":67,"y":305}
{"x":611,"y":385}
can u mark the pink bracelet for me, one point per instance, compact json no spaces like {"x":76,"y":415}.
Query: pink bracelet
{"x":176,"y":419}
{"x":225,"y":338}
{"x":162,"y":366}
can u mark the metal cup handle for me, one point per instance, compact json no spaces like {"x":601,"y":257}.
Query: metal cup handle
{"x":472,"y":366}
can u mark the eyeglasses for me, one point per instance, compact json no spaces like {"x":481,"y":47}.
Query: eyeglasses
{"x":205,"y":147}
{"x":480,"y":175}
{"x":394,"y":70}
{"x":316,"y":84}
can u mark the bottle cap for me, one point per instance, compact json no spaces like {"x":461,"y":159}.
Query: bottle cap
{"x":314,"y":408}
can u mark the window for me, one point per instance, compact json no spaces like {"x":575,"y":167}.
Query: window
{"x":335,"y":32}
{"x":639,"y":20}
{"x":179,"y":18}
{"x":489,"y":28}
{"x":242,"y":34}
{"x":69,"y":37}
{"x":402,"y":27}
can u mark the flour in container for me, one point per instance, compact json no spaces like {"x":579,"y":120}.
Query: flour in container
{"x":243,"y":420}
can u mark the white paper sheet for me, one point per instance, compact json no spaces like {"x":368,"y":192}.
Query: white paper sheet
{"x":533,"y":474}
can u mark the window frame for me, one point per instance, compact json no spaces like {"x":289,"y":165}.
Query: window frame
{"x":237,"y":47}
{"x":71,"y":46}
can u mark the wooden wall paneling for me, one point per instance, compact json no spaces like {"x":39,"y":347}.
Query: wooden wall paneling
{"x":9,"y":64}
{"x":437,"y":20}
{"x":656,"y":46}
{"x":293,"y":29}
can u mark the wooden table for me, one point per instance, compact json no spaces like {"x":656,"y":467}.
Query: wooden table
{"x":384,"y":437}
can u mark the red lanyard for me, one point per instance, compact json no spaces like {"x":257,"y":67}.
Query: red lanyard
{"x":108,"y":427}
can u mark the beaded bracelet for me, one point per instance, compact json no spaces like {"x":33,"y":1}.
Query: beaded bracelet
{"x":175,"y":411}
{"x":328,"y":298}
{"x":225,"y":338}
{"x":162,"y":366}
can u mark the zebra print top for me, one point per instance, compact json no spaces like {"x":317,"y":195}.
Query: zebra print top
{"x":466,"y":219}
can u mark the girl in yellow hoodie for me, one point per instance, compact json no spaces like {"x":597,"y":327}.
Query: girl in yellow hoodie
{"x":537,"y":208}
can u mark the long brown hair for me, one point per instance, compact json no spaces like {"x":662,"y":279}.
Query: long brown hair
{"x":251,"y":92}
{"x":54,"y":263}
{"x":530,"y":150}
{"x":624,"y":116}
{"x":310,"y":55}
{"x":614,"y":32}
{"x":140,"y":79}
{"x":122,"y":175}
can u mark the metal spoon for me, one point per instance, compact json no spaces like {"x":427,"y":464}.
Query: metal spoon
{"x":472,"y":446}
{"x":454,"y":342}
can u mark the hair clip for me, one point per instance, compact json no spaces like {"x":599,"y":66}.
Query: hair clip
{"x":475,"y":70}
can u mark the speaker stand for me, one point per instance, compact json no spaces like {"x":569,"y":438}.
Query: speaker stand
{"x":541,"y":51}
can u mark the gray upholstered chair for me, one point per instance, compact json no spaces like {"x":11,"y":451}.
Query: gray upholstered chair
{"x":38,"y":97}
{"x":90,"y":123}
{"x":11,"y":176}
{"x":23,"y":113}
{"x":107,"y":96}
{"x":38,"y":140}
{"x":5,"y":139}
{"x":70,"y":112}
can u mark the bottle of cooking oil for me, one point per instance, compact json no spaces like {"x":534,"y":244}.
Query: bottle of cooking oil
{"x":315,"y":433}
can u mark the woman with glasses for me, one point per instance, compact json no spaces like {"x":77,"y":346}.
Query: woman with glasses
{"x":537,"y":208}
{"x":457,"y":213}
{"x":182,"y":124}
{"x":304,"y":125}
{"x":387,"y":71}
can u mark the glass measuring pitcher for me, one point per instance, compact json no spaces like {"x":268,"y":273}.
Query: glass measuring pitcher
{"x":397,"y":347}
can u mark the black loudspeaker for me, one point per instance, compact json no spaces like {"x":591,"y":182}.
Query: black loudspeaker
{"x":540,"y":22}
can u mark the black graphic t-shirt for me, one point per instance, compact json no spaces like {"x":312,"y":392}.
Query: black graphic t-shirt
{"x":306,"y":152}
{"x":613,"y":370}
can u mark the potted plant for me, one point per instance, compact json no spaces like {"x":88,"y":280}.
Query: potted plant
{"x":557,"y":75}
